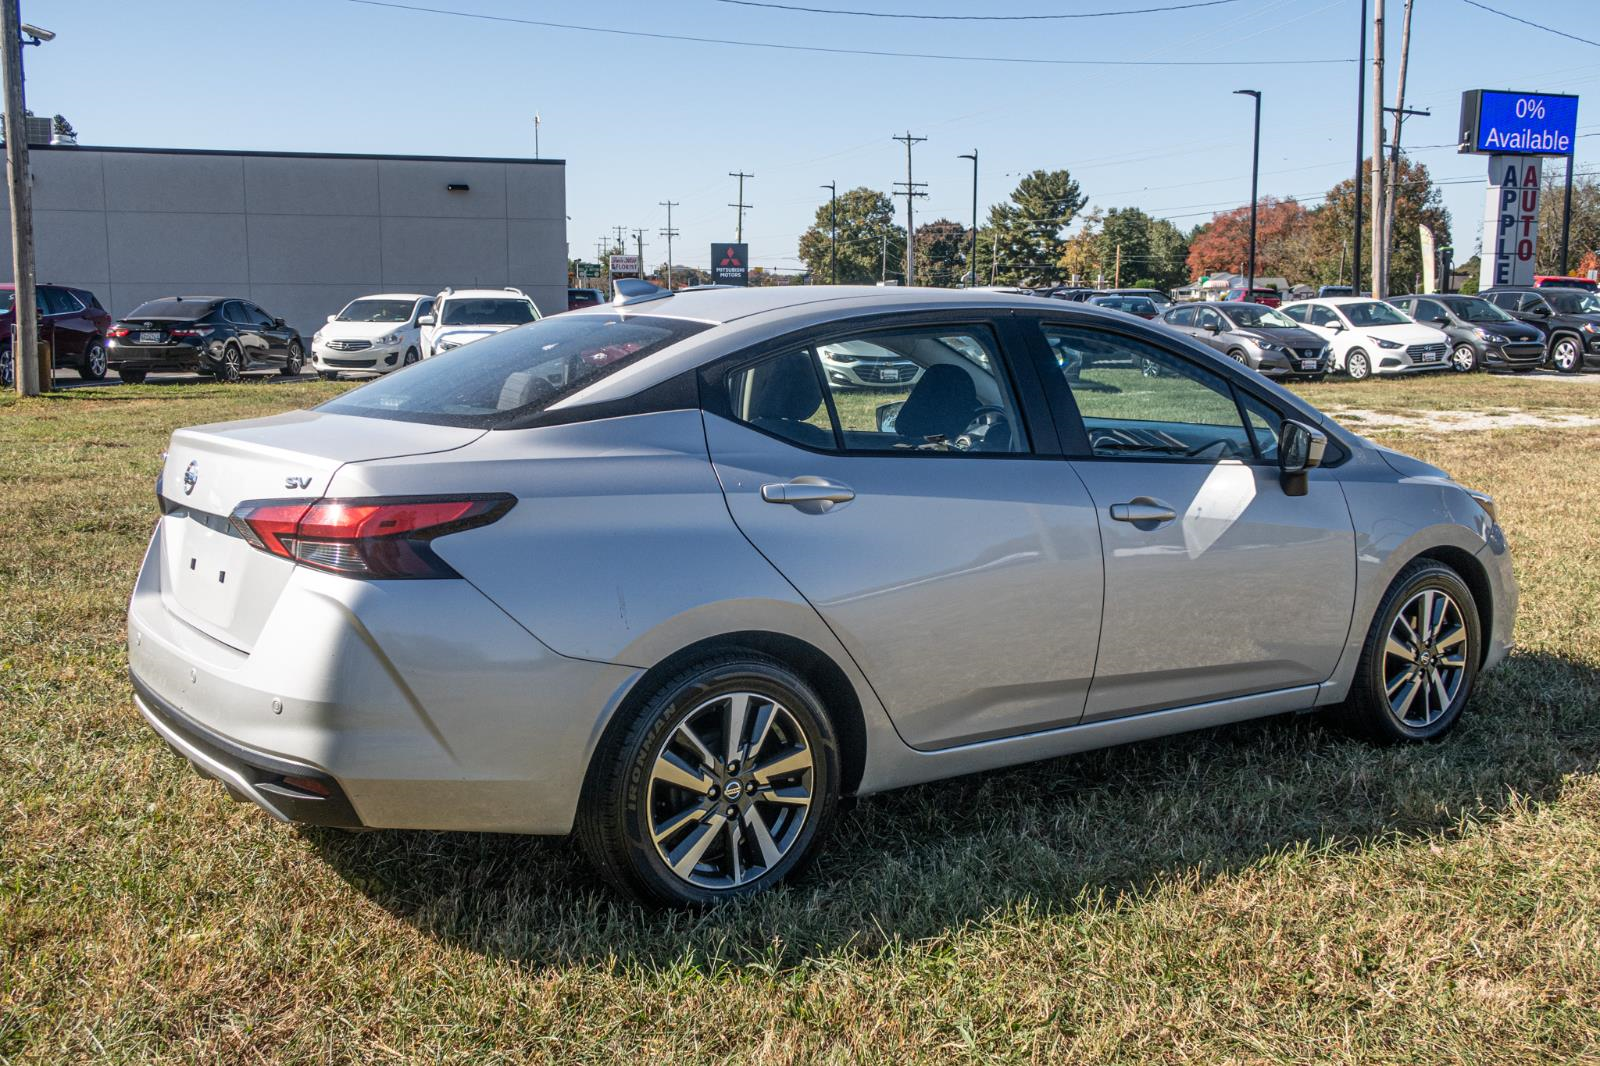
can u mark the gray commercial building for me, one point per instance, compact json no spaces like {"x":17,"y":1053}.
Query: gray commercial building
{"x":298,"y":233}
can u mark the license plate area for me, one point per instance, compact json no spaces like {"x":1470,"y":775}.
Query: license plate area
{"x":214,"y":580}
{"x":149,"y":336}
{"x":1308,"y":364}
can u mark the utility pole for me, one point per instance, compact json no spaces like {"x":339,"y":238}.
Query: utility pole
{"x":1361,"y":117}
{"x":833,"y":227}
{"x":25,"y":336}
{"x":741,"y":205}
{"x":669,"y":233}
{"x":1566,"y":214}
{"x":972,"y":242}
{"x":1392,"y":186}
{"x":911,"y":193}
{"x":1379,"y":279}
{"x":1116,"y":271}
{"x":1255,"y":176}
{"x":622,"y":240}
{"x":638,"y":239}
{"x":883,"y":275}
{"x":536,"y":123}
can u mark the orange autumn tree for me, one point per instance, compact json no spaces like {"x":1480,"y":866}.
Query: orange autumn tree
{"x":1223,"y":244}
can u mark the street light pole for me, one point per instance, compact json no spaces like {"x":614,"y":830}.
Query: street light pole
{"x":833,"y":228}
{"x":1361,"y":118}
{"x":1255,"y":177}
{"x":972,"y":242}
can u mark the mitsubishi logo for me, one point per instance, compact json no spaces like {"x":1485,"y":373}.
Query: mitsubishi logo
{"x":730,"y":259}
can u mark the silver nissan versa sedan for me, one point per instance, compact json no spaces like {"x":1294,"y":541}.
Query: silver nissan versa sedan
{"x":647,"y":573}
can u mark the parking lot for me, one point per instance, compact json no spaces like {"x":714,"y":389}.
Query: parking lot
{"x":1271,"y":891}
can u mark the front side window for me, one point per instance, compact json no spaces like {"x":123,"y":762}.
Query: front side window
{"x":1259,"y":316}
{"x":913,"y":391}
{"x":1209,"y":319}
{"x":1573,"y":302}
{"x":1181,"y":316}
{"x":1138,"y":401}
{"x":1325,"y":317}
{"x":514,"y":374}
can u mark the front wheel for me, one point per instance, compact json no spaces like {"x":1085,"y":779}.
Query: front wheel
{"x":296,"y":360}
{"x":1420,"y":658}
{"x":93,"y":365}
{"x":1566,"y":355}
{"x":410,"y":357}
{"x":1357,"y":365}
{"x":721,"y":785}
{"x":1464,"y":359}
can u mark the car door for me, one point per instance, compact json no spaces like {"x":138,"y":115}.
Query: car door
{"x":274,"y":336}
{"x":1218,"y":585}
{"x":955,"y":556}
{"x":252,"y":346}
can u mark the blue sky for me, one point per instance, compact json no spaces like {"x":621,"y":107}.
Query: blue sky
{"x":645,"y":120}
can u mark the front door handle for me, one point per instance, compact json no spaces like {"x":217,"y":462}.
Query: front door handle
{"x":809,"y":493}
{"x":1143,"y":509}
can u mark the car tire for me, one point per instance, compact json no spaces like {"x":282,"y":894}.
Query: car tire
{"x":328,"y":375}
{"x":410,"y":357}
{"x":295,"y":362}
{"x":1427,"y":622}
{"x":1238,"y":356}
{"x":1566,"y":355}
{"x":132,"y":377}
{"x":92,"y":367}
{"x":8,"y":372}
{"x":1464,"y":359}
{"x":232,"y":365}
{"x":654,"y":816}
{"x":1358,"y":365}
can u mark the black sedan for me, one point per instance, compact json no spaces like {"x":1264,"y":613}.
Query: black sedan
{"x":1481,"y":335}
{"x":215,"y":335}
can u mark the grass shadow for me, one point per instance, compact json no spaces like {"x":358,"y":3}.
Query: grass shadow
{"x":1105,"y":826}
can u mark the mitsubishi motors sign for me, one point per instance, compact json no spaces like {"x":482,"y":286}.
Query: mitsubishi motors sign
{"x":730,"y":263}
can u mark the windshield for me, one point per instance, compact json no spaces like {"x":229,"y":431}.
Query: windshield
{"x":1572,"y":301}
{"x":1472,"y":309}
{"x":486,"y":311}
{"x":377,"y":311}
{"x":1373,"y":313}
{"x":1258,"y":316}
{"x":516,"y":373}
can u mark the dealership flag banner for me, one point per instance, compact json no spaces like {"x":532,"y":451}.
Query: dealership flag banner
{"x":730,"y":263}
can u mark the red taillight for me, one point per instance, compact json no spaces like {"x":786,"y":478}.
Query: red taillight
{"x":198,"y":331}
{"x":118,"y":331}
{"x":378,"y":538}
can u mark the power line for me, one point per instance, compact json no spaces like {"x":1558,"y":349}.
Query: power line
{"x":974,"y":18}
{"x":1525,"y":22}
{"x":878,"y":53}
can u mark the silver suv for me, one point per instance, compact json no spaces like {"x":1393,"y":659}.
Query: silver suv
{"x":647,"y":573}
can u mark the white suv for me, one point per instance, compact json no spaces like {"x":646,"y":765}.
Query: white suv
{"x":461,"y":316}
{"x":373,"y":335}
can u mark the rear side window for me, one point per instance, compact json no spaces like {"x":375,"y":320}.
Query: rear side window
{"x":516,"y":373}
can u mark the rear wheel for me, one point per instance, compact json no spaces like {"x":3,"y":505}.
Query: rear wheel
{"x":1420,"y":658}
{"x":92,"y":367}
{"x":1566,"y":356}
{"x":1464,"y":359}
{"x":130,"y":376}
{"x":232,"y":364}
{"x":1358,"y":365}
{"x":8,"y":373}
{"x":721,"y":785}
{"x":297,"y":359}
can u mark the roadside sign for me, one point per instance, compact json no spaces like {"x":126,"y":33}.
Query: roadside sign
{"x":1509,"y":123}
{"x":1510,"y":221}
{"x":730,"y":263}
{"x":624,"y":266}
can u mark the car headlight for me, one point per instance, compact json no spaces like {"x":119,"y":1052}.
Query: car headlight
{"x":1380,"y":342}
{"x":1268,"y":346}
{"x":1485,"y":501}
{"x":1489,"y":335}
{"x":393,"y":338}
{"x":316,"y":337}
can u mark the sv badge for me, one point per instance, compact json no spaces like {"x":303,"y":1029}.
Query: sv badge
{"x":297,"y":483}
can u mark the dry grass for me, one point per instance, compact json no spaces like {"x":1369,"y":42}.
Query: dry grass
{"x":1270,"y":892}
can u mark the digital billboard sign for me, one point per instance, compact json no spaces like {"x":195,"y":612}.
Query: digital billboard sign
{"x":1511,"y":123}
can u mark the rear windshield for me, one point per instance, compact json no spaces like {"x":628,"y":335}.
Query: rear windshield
{"x":516,"y":373}
{"x":171,"y":309}
{"x":485,"y":311}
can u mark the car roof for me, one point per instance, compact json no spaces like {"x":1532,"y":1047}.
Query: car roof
{"x":1336,"y":301}
{"x":724,"y":305}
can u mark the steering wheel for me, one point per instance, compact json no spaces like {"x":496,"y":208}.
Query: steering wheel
{"x":986,"y":416}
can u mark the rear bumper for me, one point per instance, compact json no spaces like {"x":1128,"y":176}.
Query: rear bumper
{"x":416,"y":704}
{"x":256,"y":776}
{"x":180,"y":357}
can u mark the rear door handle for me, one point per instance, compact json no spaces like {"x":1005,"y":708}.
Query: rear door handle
{"x":814,"y":491}
{"x":1143,"y":509}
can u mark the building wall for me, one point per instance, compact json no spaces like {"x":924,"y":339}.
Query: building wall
{"x":300,"y":235}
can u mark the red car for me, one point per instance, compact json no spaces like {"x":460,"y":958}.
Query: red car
{"x":1560,"y":281}
{"x":1264,"y":297}
{"x":71,"y":321}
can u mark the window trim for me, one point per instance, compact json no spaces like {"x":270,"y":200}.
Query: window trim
{"x":1013,"y":350}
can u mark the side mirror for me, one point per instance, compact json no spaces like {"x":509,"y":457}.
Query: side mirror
{"x":887,"y":413}
{"x":425,"y":320}
{"x":1539,"y":309}
{"x":1213,"y":327}
{"x":1300,"y":448}
{"x":1337,"y":327}
{"x":278,"y":323}
{"x":333,"y":318}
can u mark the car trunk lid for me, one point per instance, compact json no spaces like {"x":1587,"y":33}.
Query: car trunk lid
{"x":211,"y":577}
